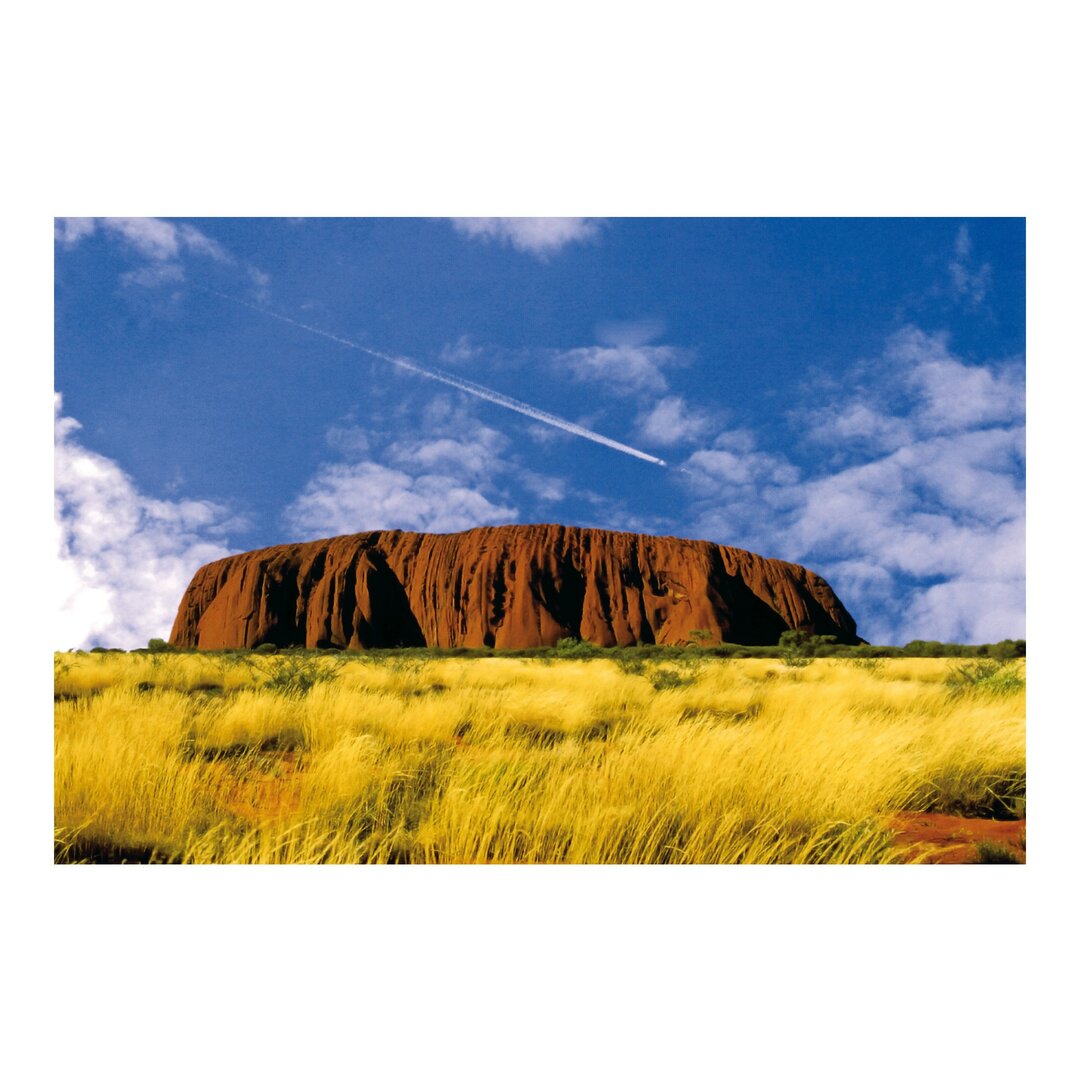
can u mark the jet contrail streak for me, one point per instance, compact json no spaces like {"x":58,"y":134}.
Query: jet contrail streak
{"x":458,"y":383}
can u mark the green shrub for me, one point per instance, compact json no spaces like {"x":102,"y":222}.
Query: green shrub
{"x":156,"y":644}
{"x":666,"y":679}
{"x":724,"y":651}
{"x":865,"y":663}
{"x":1009,"y":649}
{"x":918,"y":647}
{"x":294,"y":674}
{"x":574,"y":647}
{"x":986,"y":676}
{"x":266,"y":648}
{"x":798,"y":647}
{"x":989,"y":851}
{"x":632,"y":665}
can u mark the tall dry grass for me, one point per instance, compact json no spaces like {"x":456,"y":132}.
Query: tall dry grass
{"x":291,"y":758}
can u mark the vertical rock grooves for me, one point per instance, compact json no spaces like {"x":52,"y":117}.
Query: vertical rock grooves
{"x":509,"y":586}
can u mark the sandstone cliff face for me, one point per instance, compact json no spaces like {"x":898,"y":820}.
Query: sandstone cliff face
{"x":511,"y":586}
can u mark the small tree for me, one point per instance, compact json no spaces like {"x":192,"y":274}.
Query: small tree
{"x":796,"y":641}
{"x":156,"y":644}
{"x":569,"y":646}
{"x":796,"y":648}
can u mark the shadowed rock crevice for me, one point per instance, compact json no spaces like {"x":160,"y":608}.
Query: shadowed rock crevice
{"x":513,"y":586}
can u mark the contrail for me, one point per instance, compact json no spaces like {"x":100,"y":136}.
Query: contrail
{"x":458,"y":383}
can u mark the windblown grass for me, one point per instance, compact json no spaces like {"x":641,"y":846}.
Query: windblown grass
{"x":291,"y":758}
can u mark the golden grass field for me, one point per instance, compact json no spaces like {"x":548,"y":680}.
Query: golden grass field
{"x":351,"y":758}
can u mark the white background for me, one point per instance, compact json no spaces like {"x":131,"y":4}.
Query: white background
{"x":495,"y":109}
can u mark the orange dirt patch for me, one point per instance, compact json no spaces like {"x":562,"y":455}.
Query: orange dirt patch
{"x":946,"y":838}
{"x":258,"y":786}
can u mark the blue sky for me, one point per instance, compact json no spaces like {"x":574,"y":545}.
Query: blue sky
{"x":845,"y":393}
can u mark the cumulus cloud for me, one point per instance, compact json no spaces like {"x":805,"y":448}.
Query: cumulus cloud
{"x":344,"y":498}
{"x":930,"y":509}
{"x":544,"y":488}
{"x":539,"y":236}
{"x":161,"y":248}
{"x":671,"y":421}
{"x":441,"y":481}
{"x":916,"y":389}
{"x":349,"y":439}
{"x":473,"y":458}
{"x":921,"y":521}
{"x":859,"y":425}
{"x":952,"y":395}
{"x":123,"y":558}
{"x":623,"y":369}
{"x":152,"y":238}
{"x":628,"y":364}
{"x":739,"y":469}
{"x":69,"y":231}
{"x":975,"y":610}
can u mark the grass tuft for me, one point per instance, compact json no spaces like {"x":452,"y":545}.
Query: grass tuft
{"x":991,"y":852}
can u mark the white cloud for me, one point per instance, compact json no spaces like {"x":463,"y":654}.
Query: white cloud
{"x":200,"y":244}
{"x":628,"y":365}
{"x":123,"y":558}
{"x":153,"y":275}
{"x":672,"y":421}
{"x":545,"y":488}
{"x":474,"y":458}
{"x":69,"y":231}
{"x":918,"y":388}
{"x":540,"y":236}
{"x":260,"y":285}
{"x":461,"y":351}
{"x":440,"y":481}
{"x":161,"y":244}
{"x":929,"y":509}
{"x":350,"y":440}
{"x":967,"y":609}
{"x":955,"y":396}
{"x":859,"y":425}
{"x":921,"y":526}
{"x":162,"y":240}
{"x":624,"y":369}
{"x":738,"y":469}
{"x":630,"y":332}
{"x":968,"y":281}
{"x":150,"y":237}
{"x":356,"y":498}
{"x":733,"y":463}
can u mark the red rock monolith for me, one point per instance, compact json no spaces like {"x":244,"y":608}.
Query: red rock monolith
{"x":509,"y":586}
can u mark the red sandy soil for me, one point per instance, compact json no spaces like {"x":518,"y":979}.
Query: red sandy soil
{"x":946,"y":838}
{"x":259,"y":787}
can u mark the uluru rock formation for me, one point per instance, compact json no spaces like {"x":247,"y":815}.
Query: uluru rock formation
{"x":510,"y":586}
